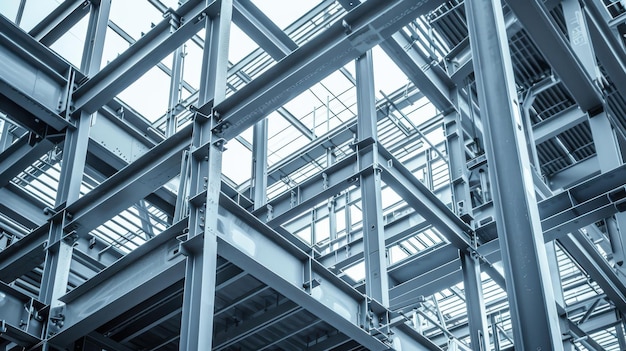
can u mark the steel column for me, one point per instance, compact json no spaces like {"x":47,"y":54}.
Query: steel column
{"x":205,"y":183}
{"x":176,"y":88}
{"x":376,"y":280}
{"x":476,"y":312}
{"x":459,"y":174}
{"x":60,"y":248}
{"x":259,"y":164}
{"x":558,"y":292}
{"x":533,"y":311}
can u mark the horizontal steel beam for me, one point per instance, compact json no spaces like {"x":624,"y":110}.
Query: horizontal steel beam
{"x":576,"y":173}
{"x":436,"y":87}
{"x":134,"y":278}
{"x":34,"y":82}
{"x":276,"y":262}
{"x":22,"y":207}
{"x":539,"y":25}
{"x":131,"y":184}
{"x":341,"y":135}
{"x":327,"y":184}
{"x":262,"y":30}
{"x":555,"y":125}
{"x":583,"y":204}
{"x":404,"y":183}
{"x":21,"y":317}
{"x":347,"y":253}
{"x":361,"y":29}
{"x":23,"y":255}
{"x":249,"y":326}
{"x":60,"y":21}
{"x":23,"y":153}
{"x":149,"y":50}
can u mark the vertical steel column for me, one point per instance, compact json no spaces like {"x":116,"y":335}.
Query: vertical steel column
{"x":60,"y":248}
{"x":558,"y":292}
{"x":259,"y":163}
{"x":495,"y":332}
{"x":376,"y":280}
{"x":175,"y":90}
{"x":533,"y":311}
{"x":476,"y":313}
{"x":176,"y":86}
{"x":458,"y":165}
{"x":607,"y":147}
{"x":5,"y":136}
{"x":206,"y":172}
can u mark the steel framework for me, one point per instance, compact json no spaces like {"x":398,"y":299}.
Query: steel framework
{"x":467,"y":194}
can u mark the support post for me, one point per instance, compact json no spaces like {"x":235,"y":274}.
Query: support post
{"x":259,"y":163}
{"x":476,"y":313}
{"x":533,"y":311}
{"x":205,"y":182}
{"x":376,"y":280}
{"x":462,"y":203}
{"x":56,"y":270}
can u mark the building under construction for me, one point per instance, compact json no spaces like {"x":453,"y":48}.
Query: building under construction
{"x":312,"y":175}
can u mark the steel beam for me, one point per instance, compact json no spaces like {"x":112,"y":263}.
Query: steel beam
{"x":22,"y":207}
{"x":129,"y":185}
{"x":131,"y":280}
{"x":435,"y":84}
{"x":251,"y":325}
{"x":402,"y":181}
{"x":141,"y":56}
{"x":23,"y":255}
{"x":60,"y":21}
{"x":33,"y":81}
{"x":276,"y":262}
{"x":21,"y":154}
{"x":583,"y":204}
{"x":329,"y":183}
{"x":259,"y":164}
{"x":606,"y":46}
{"x":352,"y":251}
{"x":20,"y":317}
{"x":533,"y":312}
{"x":318,"y":147}
{"x":476,"y":309}
{"x":540,"y":27}
{"x":587,"y":256}
{"x":376,"y":279}
{"x":360,"y":30}
{"x":262,"y":30}
{"x":555,"y":125}
{"x":576,"y":173}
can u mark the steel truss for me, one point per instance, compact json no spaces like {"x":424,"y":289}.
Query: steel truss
{"x":213,"y":264}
